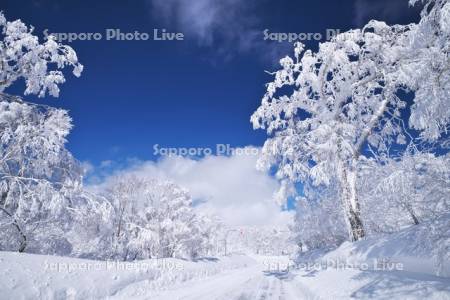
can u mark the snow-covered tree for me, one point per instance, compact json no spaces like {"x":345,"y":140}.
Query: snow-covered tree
{"x":325,"y":108}
{"x":34,"y":168}
{"x":153,"y":218}
{"x":22,"y":56}
{"x":88,"y":226}
{"x":401,"y":191}
{"x":263,"y":240}
{"x":319,"y":221}
{"x":204,"y":238}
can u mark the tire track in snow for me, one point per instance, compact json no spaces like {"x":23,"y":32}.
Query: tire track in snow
{"x":248,"y":284}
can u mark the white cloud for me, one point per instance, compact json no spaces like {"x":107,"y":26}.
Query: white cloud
{"x":106,"y":163}
{"x":390,"y":11}
{"x":228,"y":26}
{"x":229,"y":187}
{"x":207,"y":20}
{"x":87,"y":167}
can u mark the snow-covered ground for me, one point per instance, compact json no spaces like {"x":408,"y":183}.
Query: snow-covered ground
{"x":28,"y":276}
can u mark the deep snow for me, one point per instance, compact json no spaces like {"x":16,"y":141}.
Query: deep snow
{"x":28,"y":276}
{"x":397,"y":266}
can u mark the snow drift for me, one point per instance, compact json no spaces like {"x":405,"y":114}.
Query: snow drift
{"x":423,"y":248}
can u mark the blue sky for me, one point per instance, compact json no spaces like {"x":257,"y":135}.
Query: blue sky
{"x":134,"y":94}
{"x":198,"y":92}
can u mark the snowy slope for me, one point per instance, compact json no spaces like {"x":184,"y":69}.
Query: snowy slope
{"x":27,"y":276}
{"x":404,"y":268}
{"x":424,"y":248}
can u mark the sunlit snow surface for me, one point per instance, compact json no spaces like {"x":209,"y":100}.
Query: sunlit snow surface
{"x":27,"y":276}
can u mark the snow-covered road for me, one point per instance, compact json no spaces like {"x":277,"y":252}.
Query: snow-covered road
{"x":248,"y":283}
{"x":27,"y":276}
{"x":256,"y":282}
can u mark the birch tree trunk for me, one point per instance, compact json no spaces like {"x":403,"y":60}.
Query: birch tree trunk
{"x":350,"y":202}
{"x":348,"y":176}
{"x":15,"y":223}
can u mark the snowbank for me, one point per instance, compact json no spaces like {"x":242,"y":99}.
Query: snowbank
{"x":423,"y":248}
{"x":30,"y":276}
